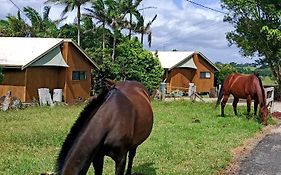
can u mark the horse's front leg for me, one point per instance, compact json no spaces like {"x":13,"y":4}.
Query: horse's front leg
{"x":131,"y":156}
{"x":255,"y":107}
{"x":120,"y":164}
{"x":98,"y":164}
{"x":249,"y":100}
{"x":234,"y":104}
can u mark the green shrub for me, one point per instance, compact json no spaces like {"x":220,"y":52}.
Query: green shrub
{"x":131,"y":62}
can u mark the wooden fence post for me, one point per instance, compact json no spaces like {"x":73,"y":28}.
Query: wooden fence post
{"x":192,"y":91}
{"x":163,"y":91}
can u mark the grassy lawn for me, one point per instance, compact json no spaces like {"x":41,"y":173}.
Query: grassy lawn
{"x":187,"y":138}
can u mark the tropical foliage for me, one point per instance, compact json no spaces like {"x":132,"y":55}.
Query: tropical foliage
{"x":132,"y":62}
{"x":70,"y":5}
{"x":106,"y":26}
{"x":225,"y":69}
{"x":14,"y":26}
{"x":257,"y":30}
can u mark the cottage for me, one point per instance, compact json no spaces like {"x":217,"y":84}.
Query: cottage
{"x":182,"y":68}
{"x":32,"y":63}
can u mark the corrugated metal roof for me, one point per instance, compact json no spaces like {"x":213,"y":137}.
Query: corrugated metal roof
{"x":21,"y":51}
{"x":171,"y":59}
{"x":53,"y":58}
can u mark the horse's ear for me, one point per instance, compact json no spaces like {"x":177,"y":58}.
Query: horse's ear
{"x":109,"y":83}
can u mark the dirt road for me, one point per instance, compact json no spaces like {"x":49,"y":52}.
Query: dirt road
{"x":265,"y":158}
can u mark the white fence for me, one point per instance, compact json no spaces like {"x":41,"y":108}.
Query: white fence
{"x":269,"y":92}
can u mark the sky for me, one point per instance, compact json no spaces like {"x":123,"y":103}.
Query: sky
{"x":179,"y":25}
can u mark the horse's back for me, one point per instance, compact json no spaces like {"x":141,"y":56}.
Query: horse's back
{"x":240,"y":85}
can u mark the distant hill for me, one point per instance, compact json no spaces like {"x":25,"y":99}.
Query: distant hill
{"x":250,"y":68}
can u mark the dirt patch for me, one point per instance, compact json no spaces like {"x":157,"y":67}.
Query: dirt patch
{"x":242,"y":152}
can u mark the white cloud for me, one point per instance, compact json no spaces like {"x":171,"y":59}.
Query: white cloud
{"x":189,"y":27}
{"x":181,"y":26}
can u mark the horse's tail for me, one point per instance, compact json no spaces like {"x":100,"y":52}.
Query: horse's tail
{"x":220,"y":95}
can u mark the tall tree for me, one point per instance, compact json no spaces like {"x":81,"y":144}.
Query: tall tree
{"x":116,"y":20}
{"x":144,"y":29}
{"x":99,"y":12}
{"x":42,"y":26}
{"x":14,"y":26}
{"x":130,"y":7}
{"x":257,"y":27}
{"x":70,"y":5}
{"x":132,"y":62}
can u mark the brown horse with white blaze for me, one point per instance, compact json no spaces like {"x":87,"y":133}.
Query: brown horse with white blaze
{"x":247,"y":87}
{"x":113,"y":125}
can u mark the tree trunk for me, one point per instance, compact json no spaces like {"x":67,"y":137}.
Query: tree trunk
{"x":78,"y":23}
{"x":130,"y":27}
{"x":275,"y":69}
{"x":103,"y":40}
{"x":103,"y":35}
{"x":113,"y":47}
{"x":142,"y":38}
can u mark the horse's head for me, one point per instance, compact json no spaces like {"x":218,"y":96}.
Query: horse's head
{"x":264,"y":113}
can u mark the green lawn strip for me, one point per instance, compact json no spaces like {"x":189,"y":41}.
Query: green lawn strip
{"x":187,"y":138}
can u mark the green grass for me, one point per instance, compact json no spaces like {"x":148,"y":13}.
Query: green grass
{"x":187,"y":138}
{"x":268,"y":81}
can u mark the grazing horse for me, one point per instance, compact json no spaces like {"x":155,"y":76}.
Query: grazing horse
{"x":114,"y":124}
{"x":247,"y":87}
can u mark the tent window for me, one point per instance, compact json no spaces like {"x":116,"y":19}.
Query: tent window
{"x":78,"y":75}
{"x":205,"y":75}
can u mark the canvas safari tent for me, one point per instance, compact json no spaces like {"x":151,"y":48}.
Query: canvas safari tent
{"x":32,"y":63}
{"x":182,"y":68}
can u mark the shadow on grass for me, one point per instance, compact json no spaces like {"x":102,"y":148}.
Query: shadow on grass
{"x":145,"y":169}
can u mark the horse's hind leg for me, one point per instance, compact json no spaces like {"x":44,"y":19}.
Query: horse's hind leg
{"x":223,"y":103}
{"x":131,"y":156}
{"x":234,"y":104}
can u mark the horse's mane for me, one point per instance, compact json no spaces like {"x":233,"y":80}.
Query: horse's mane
{"x":87,"y":113}
{"x":261,"y":86}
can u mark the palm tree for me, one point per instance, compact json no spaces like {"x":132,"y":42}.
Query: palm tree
{"x":110,"y":13}
{"x":14,"y":26}
{"x":130,"y":7}
{"x":99,"y":12}
{"x":69,"y":6}
{"x":116,"y":20}
{"x":144,"y":29}
{"x":42,"y":26}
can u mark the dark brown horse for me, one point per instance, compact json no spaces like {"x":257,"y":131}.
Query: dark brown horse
{"x":247,"y":87}
{"x":113,"y":125}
